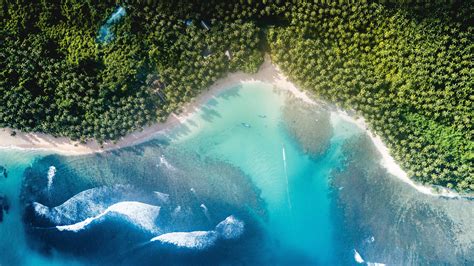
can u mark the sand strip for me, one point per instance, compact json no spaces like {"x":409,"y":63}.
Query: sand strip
{"x":267,"y":73}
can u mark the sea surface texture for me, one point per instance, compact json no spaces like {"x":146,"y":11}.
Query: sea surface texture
{"x":255,"y":176}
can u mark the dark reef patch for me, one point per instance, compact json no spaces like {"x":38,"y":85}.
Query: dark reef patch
{"x":3,"y":171}
{"x":309,"y":124}
{"x":4,"y":206}
{"x":388,"y":221}
{"x":204,"y":191}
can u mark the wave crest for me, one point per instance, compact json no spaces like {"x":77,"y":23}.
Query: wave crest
{"x":230,"y":228}
{"x":140,"y":214}
{"x":193,"y":240}
{"x":93,"y":204}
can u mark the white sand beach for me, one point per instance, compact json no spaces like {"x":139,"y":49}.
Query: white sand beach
{"x":268,"y":73}
{"x":389,"y":163}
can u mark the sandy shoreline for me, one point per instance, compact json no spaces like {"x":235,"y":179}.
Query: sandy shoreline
{"x":267,"y":73}
{"x":389,"y":163}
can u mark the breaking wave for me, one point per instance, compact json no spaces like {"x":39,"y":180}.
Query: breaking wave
{"x":193,"y":240}
{"x":135,"y":207}
{"x":230,"y":228}
{"x":93,"y":204}
{"x":140,"y":214}
{"x":358,"y":258}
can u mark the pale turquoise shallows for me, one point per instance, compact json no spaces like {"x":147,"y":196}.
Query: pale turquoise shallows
{"x":244,"y":126}
{"x":336,"y":206}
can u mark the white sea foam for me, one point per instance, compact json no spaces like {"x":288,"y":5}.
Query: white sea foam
{"x":230,"y":228}
{"x":94,"y":204}
{"x":51,"y":175}
{"x":370,"y":239}
{"x":357,"y":257}
{"x":162,"y":196}
{"x":205,"y":211}
{"x":193,"y":240}
{"x":140,"y":214}
{"x":86,"y":204}
{"x":166,"y":164}
{"x":80,"y":225}
{"x":176,"y":211}
{"x":41,"y":209}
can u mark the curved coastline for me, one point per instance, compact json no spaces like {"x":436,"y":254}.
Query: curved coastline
{"x":392,"y":167}
{"x":268,"y":73}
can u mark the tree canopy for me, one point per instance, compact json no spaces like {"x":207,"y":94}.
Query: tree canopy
{"x":406,"y":66}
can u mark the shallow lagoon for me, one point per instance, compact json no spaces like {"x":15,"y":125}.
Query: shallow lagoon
{"x":308,"y":193}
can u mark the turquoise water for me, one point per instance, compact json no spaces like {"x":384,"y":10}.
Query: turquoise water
{"x":297,"y":198}
{"x":105,"y":33}
{"x":236,"y":176}
{"x":13,"y":243}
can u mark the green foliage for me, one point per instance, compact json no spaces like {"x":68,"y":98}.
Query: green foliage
{"x":79,"y":46}
{"x":406,"y":66}
{"x":409,"y":74}
{"x":56,"y":77}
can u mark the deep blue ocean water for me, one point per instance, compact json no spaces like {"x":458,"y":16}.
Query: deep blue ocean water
{"x":250,"y":178}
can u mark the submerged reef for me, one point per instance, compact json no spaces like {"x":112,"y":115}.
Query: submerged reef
{"x":3,"y":171}
{"x":286,"y":190}
{"x":4,"y":206}
{"x":150,"y":193}
{"x":309,"y":124}
{"x":390,"y":222}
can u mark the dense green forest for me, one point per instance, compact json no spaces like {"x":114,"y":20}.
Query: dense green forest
{"x":101,"y":69}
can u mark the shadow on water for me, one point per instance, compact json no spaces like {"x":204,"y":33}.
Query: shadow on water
{"x":208,"y":112}
{"x":212,"y":102}
{"x":228,"y":94}
{"x":213,"y":166}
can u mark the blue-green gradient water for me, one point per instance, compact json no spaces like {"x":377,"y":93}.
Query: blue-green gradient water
{"x":248,"y":131}
{"x":252,"y":177}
